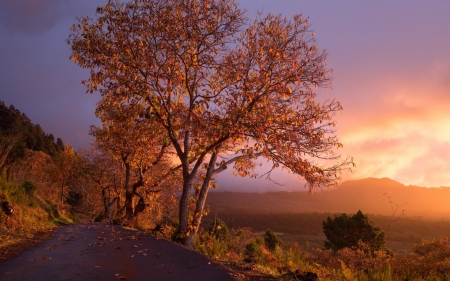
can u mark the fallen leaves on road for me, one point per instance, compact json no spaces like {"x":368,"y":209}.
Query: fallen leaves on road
{"x":120,"y":276}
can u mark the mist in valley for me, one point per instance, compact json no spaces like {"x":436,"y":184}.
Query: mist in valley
{"x":407,"y":214}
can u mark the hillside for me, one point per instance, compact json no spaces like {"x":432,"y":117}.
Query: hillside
{"x":371,"y":195}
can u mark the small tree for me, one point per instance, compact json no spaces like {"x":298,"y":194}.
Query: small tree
{"x":346,"y":231}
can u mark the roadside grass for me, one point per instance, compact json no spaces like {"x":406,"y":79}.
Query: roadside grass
{"x":242,"y":248}
{"x":32,"y":216}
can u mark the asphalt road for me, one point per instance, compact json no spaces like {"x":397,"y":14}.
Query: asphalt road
{"x":101,"y":251}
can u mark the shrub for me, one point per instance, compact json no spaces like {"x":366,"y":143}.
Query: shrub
{"x":239,"y":238}
{"x":430,"y":258}
{"x":360,"y":262}
{"x":29,"y":187}
{"x":253,"y":251}
{"x":271,"y":240}
{"x":211,"y":246}
{"x":218,"y":229}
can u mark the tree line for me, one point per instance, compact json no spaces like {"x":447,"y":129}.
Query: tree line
{"x":18,"y":133}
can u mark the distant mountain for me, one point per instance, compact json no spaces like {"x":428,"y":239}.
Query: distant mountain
{"x":371,"y":195}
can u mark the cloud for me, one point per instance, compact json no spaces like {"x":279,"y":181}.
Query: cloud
{"x":31,"y":17}
{"x":402,"y":131}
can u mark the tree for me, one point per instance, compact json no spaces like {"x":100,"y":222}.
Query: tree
{"x":6,"y":145}
{"x":59,"y":145}
{"x":106,"y":174}
{"x":140,"y":146}
{"x":225,"y":91}
{"x":63,"y":171}
{"x":346,"y":231}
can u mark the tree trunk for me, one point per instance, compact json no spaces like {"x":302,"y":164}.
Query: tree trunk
{"x":198,"y":213}
{"x":184,"y":211}
{"x":128,"y":193}
{"x":108,"y":205}
{"x":62,"y":195}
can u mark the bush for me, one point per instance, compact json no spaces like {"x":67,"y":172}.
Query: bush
{"x":271,"y":240}
{"x":430,"y":258}
{"x":253,"y":251}
{"x":29,"y":187}
{"x":218,"y":229}
{"x":346,"y":231}
{"x":211,"y":246}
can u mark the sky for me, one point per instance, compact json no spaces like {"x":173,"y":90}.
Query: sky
{"x":391,"y":69}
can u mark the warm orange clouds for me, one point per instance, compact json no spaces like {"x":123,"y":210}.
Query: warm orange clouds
{"x":404,"y":132}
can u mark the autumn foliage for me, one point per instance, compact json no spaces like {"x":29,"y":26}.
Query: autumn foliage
{"x":218,"y":88}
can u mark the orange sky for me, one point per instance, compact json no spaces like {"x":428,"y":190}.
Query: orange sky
{"x":391,"y":63}
{"x":403,"y":132}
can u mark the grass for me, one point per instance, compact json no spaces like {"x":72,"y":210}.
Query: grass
{"x":32,"y":217}
{"x":430,"y":260}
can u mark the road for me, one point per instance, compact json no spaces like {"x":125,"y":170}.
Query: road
{"x":102,"y":251}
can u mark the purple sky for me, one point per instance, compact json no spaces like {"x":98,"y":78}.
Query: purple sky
{"x":391,"y":62}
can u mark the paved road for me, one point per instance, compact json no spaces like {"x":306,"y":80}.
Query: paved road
{"x":101,"y":251}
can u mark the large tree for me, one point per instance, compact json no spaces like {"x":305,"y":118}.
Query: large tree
{"x":225,"y":90}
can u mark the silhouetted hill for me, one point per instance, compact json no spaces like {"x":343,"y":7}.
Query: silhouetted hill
{"x":375,"y":196}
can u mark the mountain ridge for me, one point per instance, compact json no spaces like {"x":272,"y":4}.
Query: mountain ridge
{"x":371,"y":195}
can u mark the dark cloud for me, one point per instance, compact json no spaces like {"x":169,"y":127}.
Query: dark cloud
{"x":32,"y":17}
{"x":29,"y":16}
